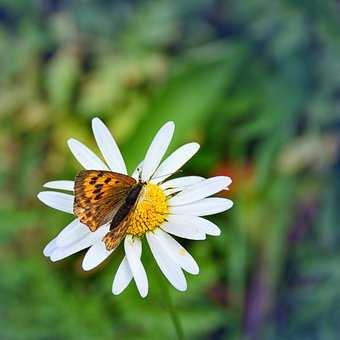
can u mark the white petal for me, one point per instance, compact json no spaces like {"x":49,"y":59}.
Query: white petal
{"x":108,"y":146}
{"x":132,"y":248}
{"x":85,"y":156}
{"x":57,"y":200}
{"x":157,"y":150}
{"x":207,"y":226}
{"x":174,"y":162}
{"x":137,"y":171}
{"x":122,"y":278}
{"x":95,"y":255}
{"x":181,"y":182}
{"x":61,"y":253}
{"x":181,"y":228}
{"x":87,"y":241}
{"x":204,"y":225}
{"x":123,"y":275}
{"x":207,"y":206}
{"x":171,"y":270}
{"x":200,"y":190}
{"x":72,"y":233}
{"x":61,"y":185}
{"x":50,"y":247}
{"x":177,"y":252}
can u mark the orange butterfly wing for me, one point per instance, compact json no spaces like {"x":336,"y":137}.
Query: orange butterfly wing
{"x":98,"y":196}
{"x":121,"y":220}
{"x":113,"y":238}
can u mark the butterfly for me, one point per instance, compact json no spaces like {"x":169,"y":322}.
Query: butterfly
{"x":104,"y":196}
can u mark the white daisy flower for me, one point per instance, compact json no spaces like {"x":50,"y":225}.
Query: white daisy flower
{"x":167,"y":207}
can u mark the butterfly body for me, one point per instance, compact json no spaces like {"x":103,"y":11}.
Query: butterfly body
{"x":127,"y":206}
{"x":104,"y":196}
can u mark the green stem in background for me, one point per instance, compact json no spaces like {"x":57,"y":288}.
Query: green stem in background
{"x":166,"y":299}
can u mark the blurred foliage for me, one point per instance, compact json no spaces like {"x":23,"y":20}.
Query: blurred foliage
{"x":256,"y":83}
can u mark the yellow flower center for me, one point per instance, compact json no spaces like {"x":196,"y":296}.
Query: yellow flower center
{"x":150,"y":212}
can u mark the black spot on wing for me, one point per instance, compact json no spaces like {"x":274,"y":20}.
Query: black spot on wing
{"x":98,"y":196}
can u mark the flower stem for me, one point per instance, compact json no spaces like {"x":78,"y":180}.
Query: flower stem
{"x":171,"y":308}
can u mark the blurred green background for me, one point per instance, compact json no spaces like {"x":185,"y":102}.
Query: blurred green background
{"x":256,"y":83}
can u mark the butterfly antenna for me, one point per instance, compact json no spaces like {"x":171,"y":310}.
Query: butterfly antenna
{"x":139,"y":174}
